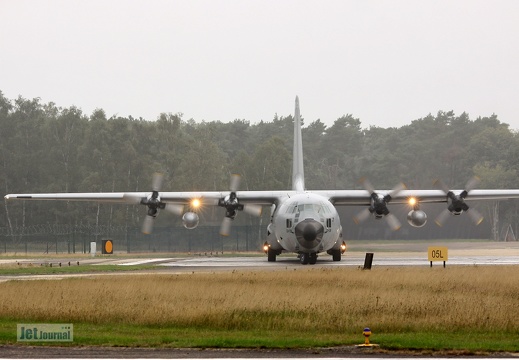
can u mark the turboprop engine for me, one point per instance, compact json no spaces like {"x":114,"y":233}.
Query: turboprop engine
{"x":417,"y":218}
{"x":190,"y":220}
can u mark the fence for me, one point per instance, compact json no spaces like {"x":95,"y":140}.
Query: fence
{"x":56,"y":238}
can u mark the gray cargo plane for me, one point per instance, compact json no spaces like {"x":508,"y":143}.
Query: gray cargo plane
{"x":302,"y":221}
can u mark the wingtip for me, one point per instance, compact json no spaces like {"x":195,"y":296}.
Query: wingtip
{"x":6,"y":197}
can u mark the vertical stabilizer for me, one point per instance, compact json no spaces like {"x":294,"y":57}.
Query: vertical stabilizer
{"x":298,"y":174}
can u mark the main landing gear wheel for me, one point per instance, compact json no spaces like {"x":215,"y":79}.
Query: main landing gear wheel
{"x":271,"y":255}
{"x":336,"y":255}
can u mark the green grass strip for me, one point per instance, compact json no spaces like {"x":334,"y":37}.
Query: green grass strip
{"x":73,"y":269}
{"x":153,"y":336}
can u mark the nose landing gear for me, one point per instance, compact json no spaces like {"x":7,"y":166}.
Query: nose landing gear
{"x":308,"y":258}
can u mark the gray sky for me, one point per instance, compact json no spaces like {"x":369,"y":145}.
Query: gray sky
{"x":385,"y":62}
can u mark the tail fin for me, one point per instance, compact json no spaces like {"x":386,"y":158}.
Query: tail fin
{"x":298,"y":174}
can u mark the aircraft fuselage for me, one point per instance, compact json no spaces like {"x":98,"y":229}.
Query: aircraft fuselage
{"x":305,"y":223}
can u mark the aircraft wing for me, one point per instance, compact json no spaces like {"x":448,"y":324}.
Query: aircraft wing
{"x":363,"y":197}
{"x":94,"y":197}
{"x":206,"y":197}
{"x":175,"y":202}
{"x":337,"y":197}
{"x":212,"y":197}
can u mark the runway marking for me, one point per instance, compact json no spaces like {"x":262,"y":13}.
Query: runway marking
{"x":145,"y":261}
{"x":219,"y":262}
{"x":12,"y":261}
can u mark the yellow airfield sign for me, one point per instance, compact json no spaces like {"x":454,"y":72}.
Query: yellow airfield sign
{"x":438,"y":253}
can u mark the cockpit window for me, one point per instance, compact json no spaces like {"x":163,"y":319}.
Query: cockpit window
{"x":318,"y":208}
{"x":292,"y":208}
{"x":310,"y":207}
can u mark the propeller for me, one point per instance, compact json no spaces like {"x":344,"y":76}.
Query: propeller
{"x":457,"y":203}
{"x":154,"y":203}
{"x":378,"y":206}
{"x":232,"y":205}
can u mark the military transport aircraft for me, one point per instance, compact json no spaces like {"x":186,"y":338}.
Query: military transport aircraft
{"x":302,"y":221}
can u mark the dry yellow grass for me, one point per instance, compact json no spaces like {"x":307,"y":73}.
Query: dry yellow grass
{"x":325,"y":300}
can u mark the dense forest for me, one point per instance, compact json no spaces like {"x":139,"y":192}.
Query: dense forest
{"x":46,"y":148}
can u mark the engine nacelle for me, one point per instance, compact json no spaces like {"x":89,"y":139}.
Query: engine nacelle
{"x":190,"y":220}
{"x":417,"y":218}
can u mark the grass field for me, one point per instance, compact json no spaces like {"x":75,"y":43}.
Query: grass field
{"x":13,"y":269}
{"x":460,"y":307}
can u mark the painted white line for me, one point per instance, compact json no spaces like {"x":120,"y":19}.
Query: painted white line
{"x":12,"y":261}
{"x":146,"y":261}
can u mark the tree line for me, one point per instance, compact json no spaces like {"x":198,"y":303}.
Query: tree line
{"x":47,"y":148}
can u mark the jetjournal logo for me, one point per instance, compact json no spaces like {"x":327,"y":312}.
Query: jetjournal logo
{"x":45,"y":332}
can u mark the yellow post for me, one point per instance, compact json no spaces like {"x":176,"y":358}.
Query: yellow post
{"x":367,"y":334}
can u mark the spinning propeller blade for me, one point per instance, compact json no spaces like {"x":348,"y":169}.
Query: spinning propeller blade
{"x":147,"y":225}
{"x":393,"y":222}
{"x":225,"y":228}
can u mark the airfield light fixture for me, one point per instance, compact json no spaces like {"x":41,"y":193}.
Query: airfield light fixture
{"x":367,"y":344}
{"x":367,"y":334}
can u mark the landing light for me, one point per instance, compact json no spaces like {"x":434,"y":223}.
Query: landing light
{"x":195,"y":203}
{"x":412,"y":201}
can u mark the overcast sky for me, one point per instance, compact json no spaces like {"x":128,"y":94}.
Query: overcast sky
{"x":385,"y":62}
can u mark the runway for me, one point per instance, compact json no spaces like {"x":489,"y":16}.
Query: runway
{"x":218,"y":264}
{"x":197,"y":262}
{"x":386,"y":254}
{"x":413,"y":260}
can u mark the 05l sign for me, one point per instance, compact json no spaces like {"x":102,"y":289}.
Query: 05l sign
{"x":437,"y":253}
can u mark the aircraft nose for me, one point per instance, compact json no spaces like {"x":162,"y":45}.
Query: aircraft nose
{"x":309,"y":233}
